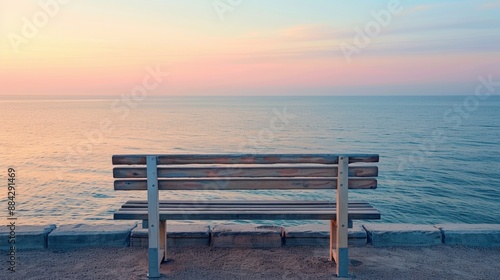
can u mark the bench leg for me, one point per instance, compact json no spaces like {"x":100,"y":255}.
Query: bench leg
{"x":332,"y":241}
{"x":154,"y":250}
{"x":157,"y":251}
{"x":339,"y":252}
{"x":163,"y":240}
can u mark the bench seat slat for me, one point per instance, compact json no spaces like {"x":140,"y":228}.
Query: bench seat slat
{"x":224,"y":171}
{"x":240,"y":201}
{"x":178,"y":206}
{"x":234,"y":208}
{"x":207,"y":205}
{"x":243,"y":158}
{"x":248,"y":215}
{"x":246,"y":184}
{"x":188,"y":211}
{"x":170,"y":210}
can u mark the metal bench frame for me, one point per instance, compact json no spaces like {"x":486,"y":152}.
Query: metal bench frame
{"x":339,"y":213}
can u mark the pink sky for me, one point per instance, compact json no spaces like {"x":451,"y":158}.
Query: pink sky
{"x":88,"y":49}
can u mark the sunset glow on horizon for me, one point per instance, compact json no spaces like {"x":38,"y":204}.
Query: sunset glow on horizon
{"x":248,"y":47}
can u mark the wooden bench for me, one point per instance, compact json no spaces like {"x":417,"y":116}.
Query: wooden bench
{"x":246,"y":172}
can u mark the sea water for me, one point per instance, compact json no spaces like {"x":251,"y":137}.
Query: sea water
{"x":439,"y":155}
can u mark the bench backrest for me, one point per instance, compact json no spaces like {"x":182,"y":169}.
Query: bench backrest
{"x":245,"y":171}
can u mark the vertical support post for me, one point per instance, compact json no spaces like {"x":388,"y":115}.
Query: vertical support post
{"x":153,"y":218}
{"x":341,"y":250}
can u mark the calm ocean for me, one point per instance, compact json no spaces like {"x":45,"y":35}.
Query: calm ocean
{"x":440,"y":161}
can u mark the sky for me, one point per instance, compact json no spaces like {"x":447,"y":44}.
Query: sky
{"x":247,"y":47}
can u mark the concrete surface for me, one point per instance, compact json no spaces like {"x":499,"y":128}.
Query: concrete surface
{"x":383,"y":235}
{"x":246,"y":236}
{"x":26,"y":237}
{"x":82,"y":235}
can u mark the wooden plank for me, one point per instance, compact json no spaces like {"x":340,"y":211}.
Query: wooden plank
{"x":252,"y":211}
{"x":247,"y":202}
{"x":252,"y":207}
{"x":225,"y":171}
{"x":201,"y":207}
{"x":242,"y":158}
{"x":246,"y":184}
{"x":222,"y":207}
{"x":247,"y":206}
{"x":247,"y":215}
{"x":248,"y":210}
{"x":242,"y":209}
{"x":166,"y":205}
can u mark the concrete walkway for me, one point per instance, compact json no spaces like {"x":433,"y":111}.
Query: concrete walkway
{"x":436,"y":262}
{"x":377,"y":251}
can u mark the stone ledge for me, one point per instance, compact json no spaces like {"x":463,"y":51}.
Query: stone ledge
{"x":481,"y":235}
{"x":381,"y":235}
{"x":317,"y":235}
{"x":27,"y":237}
{"x":251,"y":236}
{"x":246,"y":236}
{"x":177,"y":236}
{"x":82,"y":235}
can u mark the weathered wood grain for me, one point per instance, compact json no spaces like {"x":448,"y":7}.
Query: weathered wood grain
{"x":266,"y":171}
{"x":246,"y":184}
{"x":243,"y":205}
{"x":240,"y":209}
{"x":241,"y":201}
{"x":209,"y":204}
{"x":182,"y":214}
{"x":243,"y":158}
